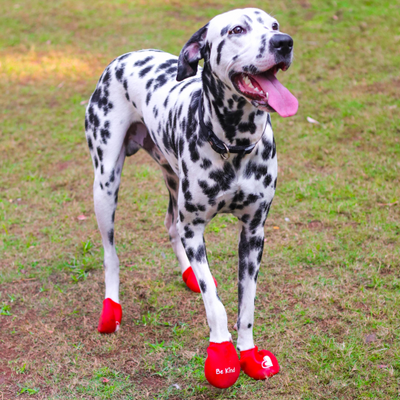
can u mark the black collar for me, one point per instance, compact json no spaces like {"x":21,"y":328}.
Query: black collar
{"x":217,"y":144}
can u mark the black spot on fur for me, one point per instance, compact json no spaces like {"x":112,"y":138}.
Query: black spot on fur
{"x":240,"y":298}
{"x":206,"y":163}
{"x":167,"y":64}
{"x":106,"y":77}
{"x":90,"y":143}
{"x":116,"y":196}
{"x":111,"y":236}
{"x":202,"y":285}
{"x":124,"y":56}
{"x":273,"y":149}
{"x":149,"y":83}
{"x":224,"y":30}
{"x":155,"y":111}
{"x":145,"y":71}
{"x":190,"y":207}
{"x":190,"y":253}
{"x":194,"y":152}
{"x":245,"y":218}
{"x":140,"y":63}
{"x":105,"y":134}
{"x":120,"y":72}
{"x":189,"y":234}
{"x":244,"y":251}
{"x":161,"y":80}
{"x":201,"y":253}
{"x":219,"y":51}
{"x":224,"y":176}
{"x":266,"y":153}
{"x":148,"y":98}
{"x":258,"y":170}
{"x":172,"y":184}
{"x":251,"y":69}
{"x":100,"y":153}
{"x":267,"y":180}
{"x":251,"y":269}
{"x":166,"y":102}
{"x":256,"y":221}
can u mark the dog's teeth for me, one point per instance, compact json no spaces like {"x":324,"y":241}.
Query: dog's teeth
{"x":256,"y":89}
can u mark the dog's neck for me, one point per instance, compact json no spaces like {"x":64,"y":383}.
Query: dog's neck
{"x":230,"y":116}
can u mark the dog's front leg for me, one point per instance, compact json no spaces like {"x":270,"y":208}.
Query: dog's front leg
{"x":257,"y":364}
{"x":193,"y":241}
{"x":222,"y":366}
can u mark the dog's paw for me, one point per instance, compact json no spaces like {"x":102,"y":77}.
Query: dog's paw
{"x":258,"y":364}
{"x":191,"y":282}
{"x":110,"y":317}
{"x":222,"y":367}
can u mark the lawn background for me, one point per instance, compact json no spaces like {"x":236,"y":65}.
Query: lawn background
{"x":329,"y":290}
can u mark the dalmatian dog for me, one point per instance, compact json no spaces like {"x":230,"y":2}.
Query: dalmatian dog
{"x":209,"y":129}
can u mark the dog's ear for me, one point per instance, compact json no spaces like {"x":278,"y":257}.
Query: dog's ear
{"x":190,"y":55}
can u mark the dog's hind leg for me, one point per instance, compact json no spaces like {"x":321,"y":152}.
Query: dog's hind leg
{"x":105,"y":196}
{"x":172,"y":183}
{"x":108,"y":148}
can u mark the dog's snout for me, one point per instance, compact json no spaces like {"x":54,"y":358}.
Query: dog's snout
{"x":281,"y":43}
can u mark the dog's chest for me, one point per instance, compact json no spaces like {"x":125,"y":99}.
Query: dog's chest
{"x":229,"y":188}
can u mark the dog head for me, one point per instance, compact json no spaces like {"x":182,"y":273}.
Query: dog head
{"x":244,"y":49}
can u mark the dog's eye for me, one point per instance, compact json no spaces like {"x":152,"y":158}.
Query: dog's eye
{"x":275,"y":26}
{"x":236,"y":30}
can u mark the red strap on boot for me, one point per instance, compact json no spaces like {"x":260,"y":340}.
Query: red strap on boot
{"x":258,"y":364}
{"x":222,"y":367}
{"x":110,"y":317}
{"x":191,"y":282}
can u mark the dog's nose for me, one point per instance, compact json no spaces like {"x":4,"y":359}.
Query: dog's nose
{"x":282,"y":43}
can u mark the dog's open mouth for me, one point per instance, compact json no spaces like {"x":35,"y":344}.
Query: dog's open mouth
{"x":265,"y":91}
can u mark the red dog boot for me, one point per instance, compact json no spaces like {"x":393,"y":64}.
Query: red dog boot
{"x":110,"y":317}
{"x":258,"y":364}
{"x":222,"y":367}
{"x":191,"y":282}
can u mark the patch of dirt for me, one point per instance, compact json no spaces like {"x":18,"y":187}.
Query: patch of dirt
{"x":63,"y":165}
{"x":391,"y":88}
{"x":327,"y":324}
{"x":316,"y":225}
{"x":350,"y":135}
{"x":304,"y":4}
{"x":6,"y":373}
{"x":151,"y":383}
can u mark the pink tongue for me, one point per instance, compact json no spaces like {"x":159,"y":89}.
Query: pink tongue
{"x":279,"y":98}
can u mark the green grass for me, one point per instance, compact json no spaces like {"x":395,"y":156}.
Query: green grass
{"x":329,"y":288}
